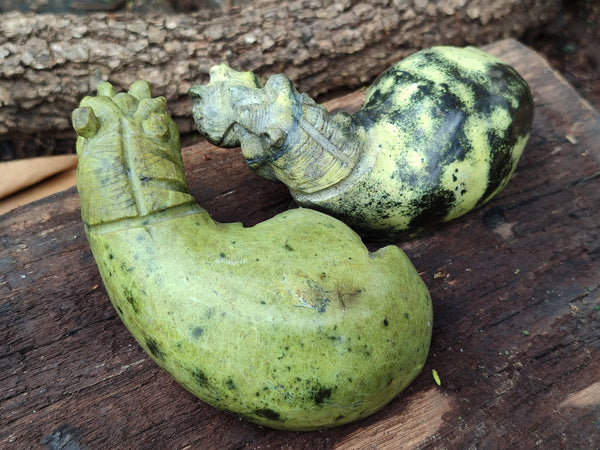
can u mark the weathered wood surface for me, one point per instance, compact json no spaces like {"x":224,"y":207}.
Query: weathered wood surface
{"x":516,"y":289}
{"x":49,"y":62}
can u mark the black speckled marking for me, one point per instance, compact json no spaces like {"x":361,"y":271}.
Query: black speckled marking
{"x":130,"y":298}
{"x":200,"y":377}
{"x":322,"y":395}
{"x":321,"y":304}
{"x":125,"y":268}
{"x":433,"y":207}
{"x":154,"y":348}
{"x":197,"y":332}
{"x":267,"y":413}
{"x":500,"y":165}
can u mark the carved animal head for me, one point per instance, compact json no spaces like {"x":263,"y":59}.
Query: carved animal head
{"x":215,"y":104}
{"x":233,"y":109}
{"x":284,"y":134}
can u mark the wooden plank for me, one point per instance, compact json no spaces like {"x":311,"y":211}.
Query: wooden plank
{"x":516,"y":289}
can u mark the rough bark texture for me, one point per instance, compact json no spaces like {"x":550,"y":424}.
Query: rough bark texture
{"x":516,"y":313}
{"x":50,"y":62}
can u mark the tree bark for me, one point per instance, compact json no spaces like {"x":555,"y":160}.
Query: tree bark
{"x":49,"y":62}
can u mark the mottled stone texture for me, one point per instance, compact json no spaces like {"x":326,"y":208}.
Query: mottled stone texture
{"x":50,"y":61}
{"x":440,"y":134}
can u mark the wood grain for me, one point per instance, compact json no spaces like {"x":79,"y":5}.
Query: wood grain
{"x":516,"y":289}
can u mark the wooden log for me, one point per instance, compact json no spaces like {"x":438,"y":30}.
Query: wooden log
{"x":49,"y":62}
{"x":516,"y":292}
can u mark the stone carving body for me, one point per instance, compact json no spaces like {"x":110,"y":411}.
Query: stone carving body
{"x":292,"y":323}
{"x":440,"y":134}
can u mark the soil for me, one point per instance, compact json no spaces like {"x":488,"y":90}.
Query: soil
{"x":571,"y":43}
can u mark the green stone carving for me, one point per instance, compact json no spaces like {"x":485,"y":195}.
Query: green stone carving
{"x":440,"y":134}
{"x":292,"y":323}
